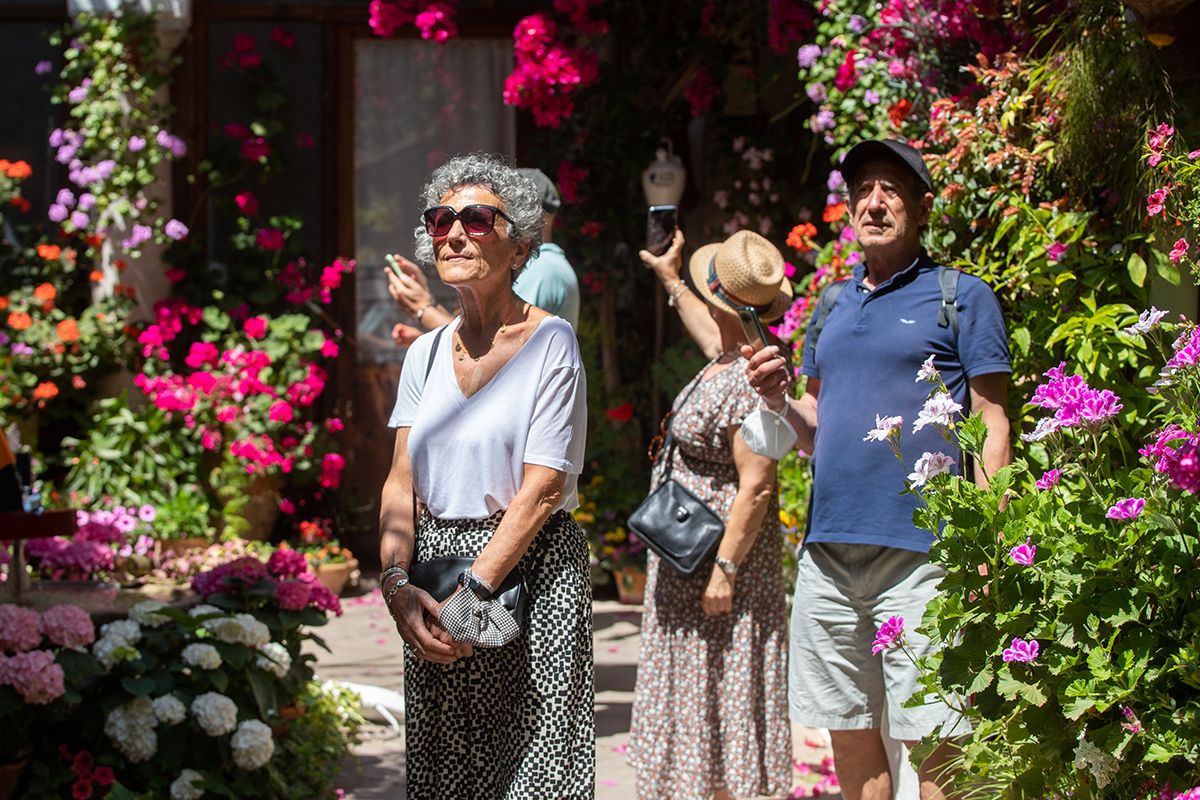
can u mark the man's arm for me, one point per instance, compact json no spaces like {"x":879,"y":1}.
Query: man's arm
{"x":989,"y":397}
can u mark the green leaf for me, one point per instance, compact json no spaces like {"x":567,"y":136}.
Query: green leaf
{"x":141,"y":687}
{"x":265,"y":691}
{"x":1011,"y":688}
{"x":1137,"y":269}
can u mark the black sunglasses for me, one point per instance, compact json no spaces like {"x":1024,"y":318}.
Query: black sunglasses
{"x":476,"y":219}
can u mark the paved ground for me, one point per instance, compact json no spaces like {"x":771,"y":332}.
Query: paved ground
{"x":366,"y":650}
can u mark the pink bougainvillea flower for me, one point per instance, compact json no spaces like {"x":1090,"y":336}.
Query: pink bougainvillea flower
{"x":281,"y":411}
{"x":888,"y":636}
{"x":1049,"y":478}
{"x":1179,"y":250}
{"x":1128,"y":508}
{"x":1023,"y":554}
{"x":1021,"y":650}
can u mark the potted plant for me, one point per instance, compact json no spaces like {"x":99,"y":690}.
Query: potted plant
{"x":332,"y":563}
{"x":612,"y":547}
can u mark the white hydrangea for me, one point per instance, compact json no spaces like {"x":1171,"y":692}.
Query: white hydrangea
{"x":184,"y":788}
{"x":123,"y":631}
{"x":169,"y":709}
{"x":252,"y":745}
{"x":204,"y":610}
{"x":131,"y":728}
{"x":111,"y":651}
{"x":242,"y":629}
{"x":146,"y":613}
{"x":204,"y":656}
{"x":216,"y":713}
{"x":274,"y":658}
{"x":1090,"y":757}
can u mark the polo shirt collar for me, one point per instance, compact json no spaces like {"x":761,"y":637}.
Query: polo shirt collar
{"x":902,"y":277}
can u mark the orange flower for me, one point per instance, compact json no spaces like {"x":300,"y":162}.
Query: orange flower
{"x":19,"y":320}
{"x":45,"y":391}
{"x":834,"y":212}
{"x":68,"y":330}
{"x":801,"y":237}
{"x":45,"y":292}
{"x":3,"y":303}
{"x":899,"y":111}
{"x":18,"y":170}
{"x":50,"y":252}
{"x":95,"y":276}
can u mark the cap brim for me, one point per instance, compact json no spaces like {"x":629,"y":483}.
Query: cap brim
{"x":863,"y":152}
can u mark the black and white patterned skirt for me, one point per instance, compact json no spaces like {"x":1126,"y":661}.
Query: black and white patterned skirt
{"x":514,"y":722}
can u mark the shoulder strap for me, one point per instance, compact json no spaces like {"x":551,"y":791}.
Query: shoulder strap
{"x":948,"y":313}
{"x":437,"y":337}
{"x":824,"y":305}
{"x":668,"y":445}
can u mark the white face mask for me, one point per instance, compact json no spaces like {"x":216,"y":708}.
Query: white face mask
{"x":768,"y":434}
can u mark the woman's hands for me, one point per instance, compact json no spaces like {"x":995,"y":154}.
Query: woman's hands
{"x":410,"y":290}
{"x":416,"y":614}
{"x":718,"y":595}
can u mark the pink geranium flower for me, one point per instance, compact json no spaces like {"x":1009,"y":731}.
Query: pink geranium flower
{"x":1128,"y":508}
{"x":889,"y":635}
{"x":1179,"y":250}
{"x":255,"y":327}
{"x":1049,"y":478}
{"x":1023,"y":554}
{"x":1021,"y":650}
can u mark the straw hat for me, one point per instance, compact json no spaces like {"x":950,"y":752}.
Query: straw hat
{"x":746,"y":270}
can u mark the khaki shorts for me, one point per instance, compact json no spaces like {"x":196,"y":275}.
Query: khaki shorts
{"x":844,"y":592}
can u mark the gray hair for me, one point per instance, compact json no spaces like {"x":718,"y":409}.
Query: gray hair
{"x":519,"y":198}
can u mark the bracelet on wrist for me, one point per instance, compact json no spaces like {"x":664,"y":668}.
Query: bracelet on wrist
{"x":421,"y":311}
{"x":675,"y":292}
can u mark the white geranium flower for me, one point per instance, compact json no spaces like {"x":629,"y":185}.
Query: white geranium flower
{"x":145,"y":614}
{"x":1147,"y":321}
{"x":928,"y":465}
{"x":204,"y":656}
{"x":131,"y":728}
{"x":242,"y":629}
{"x":184,"y":787}
{"x":169,"y":709}
{"x":252,"y":745}
{"x":274,"y":658}
{"x":1045,"y":426}
{"x":884,"y":427}
{"x":123,"y":631}
{"x":937,"y":411}
{"x":215,"y":713}
{"x":927,"y":372}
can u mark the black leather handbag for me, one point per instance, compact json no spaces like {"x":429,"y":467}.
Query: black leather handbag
{"x":673,"y":522}
{"x":439,"y":576}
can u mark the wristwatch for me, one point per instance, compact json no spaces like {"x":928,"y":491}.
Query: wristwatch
{"x":469,"y":580}
{"x":727,"y":566}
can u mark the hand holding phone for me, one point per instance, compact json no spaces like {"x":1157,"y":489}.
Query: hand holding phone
{"x":661,"y":222}
{"x":752,"y":328}
{"x":393,"y":265}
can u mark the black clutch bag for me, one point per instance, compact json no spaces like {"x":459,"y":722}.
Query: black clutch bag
{"x":439,"y":577}
{"x":673,"y":522}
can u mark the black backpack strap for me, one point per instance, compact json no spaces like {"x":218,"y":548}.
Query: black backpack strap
{"x":825,"y":304}
{"x":948,"y":313}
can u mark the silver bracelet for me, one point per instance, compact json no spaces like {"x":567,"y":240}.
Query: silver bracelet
{"x":675,"y":292}
{"x":394,"y":569}
{"x":401,"y":582}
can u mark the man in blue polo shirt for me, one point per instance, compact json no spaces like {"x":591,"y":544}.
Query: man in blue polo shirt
{"x":863,"y":560}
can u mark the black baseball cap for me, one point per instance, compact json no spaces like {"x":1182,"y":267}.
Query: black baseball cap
{"x":891,"y":149}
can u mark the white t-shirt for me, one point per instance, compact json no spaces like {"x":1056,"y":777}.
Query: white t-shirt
{"x":468,"y":453}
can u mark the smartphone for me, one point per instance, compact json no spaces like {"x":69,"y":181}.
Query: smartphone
{"x":660,"y":228}
{"x":756,"y":337}
{"x":394,"y":265}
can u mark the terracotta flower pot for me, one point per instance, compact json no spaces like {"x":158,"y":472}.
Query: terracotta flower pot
{"x":286,"y":715}
{"x":631,"y":585}
{"x":334,"y":576}
{"x":10,"y":777}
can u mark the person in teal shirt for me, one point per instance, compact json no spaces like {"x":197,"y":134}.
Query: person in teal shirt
{"x":548,"y":280}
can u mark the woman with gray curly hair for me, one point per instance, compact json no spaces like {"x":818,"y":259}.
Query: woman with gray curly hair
{"x":490,"y":419}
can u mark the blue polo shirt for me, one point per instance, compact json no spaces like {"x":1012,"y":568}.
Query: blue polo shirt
{"x":867,"y":359}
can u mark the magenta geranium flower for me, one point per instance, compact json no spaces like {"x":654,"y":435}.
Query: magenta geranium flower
{"x":1023,"y":554}
{"x":1128,"y":508}
{"x":1049,"y":478}
{"x":889,"y":635}
{"x":1021,"y":650}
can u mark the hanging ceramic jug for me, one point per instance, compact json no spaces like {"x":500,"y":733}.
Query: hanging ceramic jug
{"x":664,"y":180}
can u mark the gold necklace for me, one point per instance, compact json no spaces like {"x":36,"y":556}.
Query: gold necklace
{"x":462,"y":351}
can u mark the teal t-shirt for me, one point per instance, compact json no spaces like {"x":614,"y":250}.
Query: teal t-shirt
{"x":548,"y":281}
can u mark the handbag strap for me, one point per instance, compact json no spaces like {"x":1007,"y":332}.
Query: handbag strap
{"x":668,"y":447}
{"x":437,"y":337}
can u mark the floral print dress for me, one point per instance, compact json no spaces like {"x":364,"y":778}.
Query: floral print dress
{"x":710,"y":709}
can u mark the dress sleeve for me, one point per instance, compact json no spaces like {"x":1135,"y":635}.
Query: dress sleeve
{"x":558,"y":429}
{"x":742,"y":397}
{"x":412,"y":383}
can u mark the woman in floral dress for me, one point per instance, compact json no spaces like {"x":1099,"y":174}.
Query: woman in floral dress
{"x":710,"y":712}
